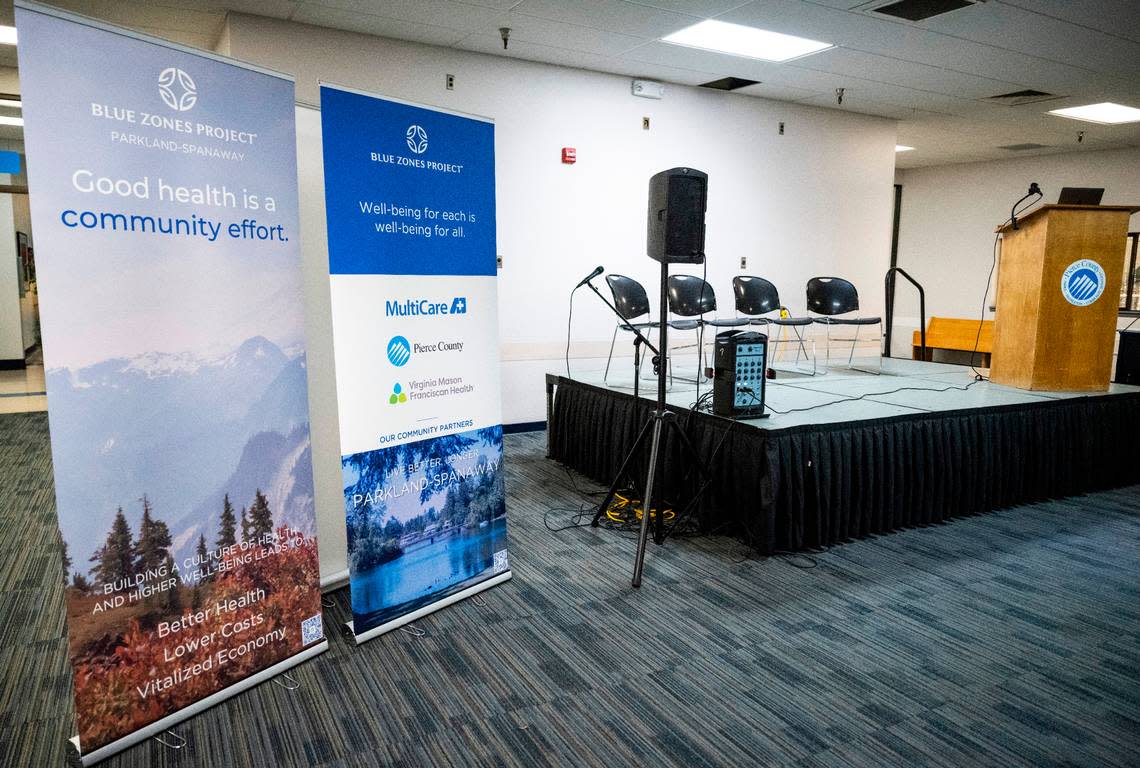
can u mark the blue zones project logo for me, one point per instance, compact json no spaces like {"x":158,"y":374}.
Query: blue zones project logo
{"x":177,"y":89}
{"x":399,"y":351}
{"x":417,"y":139}
{"x":1083,"y":282}
{"x":425,"y":307}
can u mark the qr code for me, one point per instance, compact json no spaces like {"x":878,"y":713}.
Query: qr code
{"x":501,"y":561}
{"x":312,"y":630}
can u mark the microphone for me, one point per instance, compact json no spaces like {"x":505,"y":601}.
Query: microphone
{"x":1033,"y":190}
{"x":597,"y":271}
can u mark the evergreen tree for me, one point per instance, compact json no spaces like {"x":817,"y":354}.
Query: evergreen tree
{"x":171,"y":600}
{"x":80,"y":583}
{"x":153,"y":542}
{"x":244,"y":525}
{"x":260,"y":517}
{"x":116,"y":558}
{"x":66,"y":557}
{"x":203,"y":555}
{"x":393,"y":529}
{"x":227,"y":527}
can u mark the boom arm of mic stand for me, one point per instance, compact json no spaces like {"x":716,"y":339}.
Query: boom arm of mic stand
{"x":639,"y":338}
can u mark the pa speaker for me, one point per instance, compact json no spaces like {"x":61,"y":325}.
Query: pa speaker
{"x":1128,"y":358}
{"x":677,"y":200}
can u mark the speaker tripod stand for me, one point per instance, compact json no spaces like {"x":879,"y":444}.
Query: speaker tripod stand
{"x":653,"y":432}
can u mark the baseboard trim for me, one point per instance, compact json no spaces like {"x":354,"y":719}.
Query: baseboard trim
{"x":12,"y":364}
{"x":524,"y":426}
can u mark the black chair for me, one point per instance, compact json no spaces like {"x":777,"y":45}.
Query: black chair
{"x":834,"y":296}
{"x":692,"y":298}
{"x":757,"y":297}
{"x":632,"y":302}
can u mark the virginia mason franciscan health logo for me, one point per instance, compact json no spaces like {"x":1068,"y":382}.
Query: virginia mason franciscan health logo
{"x":399,"y":351}
{"x":417,"y":139}
{"x":177,"y":88}
{"x":1082,"y":282}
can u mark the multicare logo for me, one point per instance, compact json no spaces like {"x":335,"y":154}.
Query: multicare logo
{"x":399,"y":351}
{"x":1083,"y":282}
{"x":177,"y":89}
{"x":398,"y":395}
{"x":417,"y":139}
{"x":416,"y":307}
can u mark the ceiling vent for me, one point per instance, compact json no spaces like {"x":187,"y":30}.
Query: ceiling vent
{"x":920,"y":10}
{"x":729,"y":83}
{"x":1017,"y":98}
{"x":1022,"y":147}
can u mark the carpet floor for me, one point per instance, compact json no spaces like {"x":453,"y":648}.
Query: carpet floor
{"x":1010,"y":639}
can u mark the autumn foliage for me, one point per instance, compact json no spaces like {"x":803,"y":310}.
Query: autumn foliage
{"x":115,"y":655}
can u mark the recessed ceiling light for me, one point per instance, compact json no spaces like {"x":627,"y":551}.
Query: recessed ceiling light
{"x":1105,"y":113}
{"x":7,"y":35}
{"x":10,"y":103}
{"x":739,"y":40}
{"x":902,"y":148}
{"x":6,"y":120}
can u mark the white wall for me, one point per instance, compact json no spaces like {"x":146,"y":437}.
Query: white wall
{"x":949,"y":213}
{"x":814,"y":201}
{"x":328,"y":489}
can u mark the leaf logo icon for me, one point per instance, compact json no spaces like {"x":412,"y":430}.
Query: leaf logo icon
{"x":177,"y":89}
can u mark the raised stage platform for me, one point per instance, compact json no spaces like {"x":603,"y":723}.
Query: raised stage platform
{"x":921,"y":444}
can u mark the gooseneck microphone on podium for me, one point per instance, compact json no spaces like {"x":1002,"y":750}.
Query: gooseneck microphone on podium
{"x":597,"y":271}
{"x":1033,"y":190}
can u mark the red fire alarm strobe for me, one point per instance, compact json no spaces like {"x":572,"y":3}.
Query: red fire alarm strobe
{"x":569,"y":155}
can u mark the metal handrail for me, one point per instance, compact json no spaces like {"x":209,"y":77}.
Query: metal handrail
{"x":889,"y":285}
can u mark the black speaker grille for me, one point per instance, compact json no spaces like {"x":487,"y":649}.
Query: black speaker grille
{"x":685,"y":226}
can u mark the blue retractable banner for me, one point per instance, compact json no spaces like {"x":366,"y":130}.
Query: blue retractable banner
{"x":164,"y":208}
{"x":410,"y":201}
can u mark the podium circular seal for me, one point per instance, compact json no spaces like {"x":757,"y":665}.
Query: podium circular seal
{"x":1083,"y":282}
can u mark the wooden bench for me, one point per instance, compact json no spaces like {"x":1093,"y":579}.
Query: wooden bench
{"x":957,"y":334}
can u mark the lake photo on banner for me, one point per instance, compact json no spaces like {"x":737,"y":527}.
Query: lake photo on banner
{"x":426,"y":520}
{"x":429,"y":571}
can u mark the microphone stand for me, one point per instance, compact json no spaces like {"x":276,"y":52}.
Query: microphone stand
{"x":653,"y":436}
{"x":638,"y":339}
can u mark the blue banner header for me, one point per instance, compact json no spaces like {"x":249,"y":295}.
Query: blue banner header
{"x":405,"y":188}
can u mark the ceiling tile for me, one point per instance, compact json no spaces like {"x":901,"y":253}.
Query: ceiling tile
{"x":1120,"y":18}
{"x":868,"y":66}
{"x":612,"y":15}
{"x":557,"y":34}
{"x":863,"y":32}
{"x":705,"y":61}
{"x":701,"y":8}
{"x":309,"y":13}
{"x":437,"y":13}
{"x":1008,"y":27}
{"x":777,"y":92}
{"x":865,"y":106}
{"x":525,"y":51}
{"x":498,"y":5}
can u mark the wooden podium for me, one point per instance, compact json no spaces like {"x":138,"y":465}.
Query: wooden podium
{"x":1055,"y":324}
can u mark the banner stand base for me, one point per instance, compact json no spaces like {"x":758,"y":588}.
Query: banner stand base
{"x":158,"y":726}
{"x":427,"y":609}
